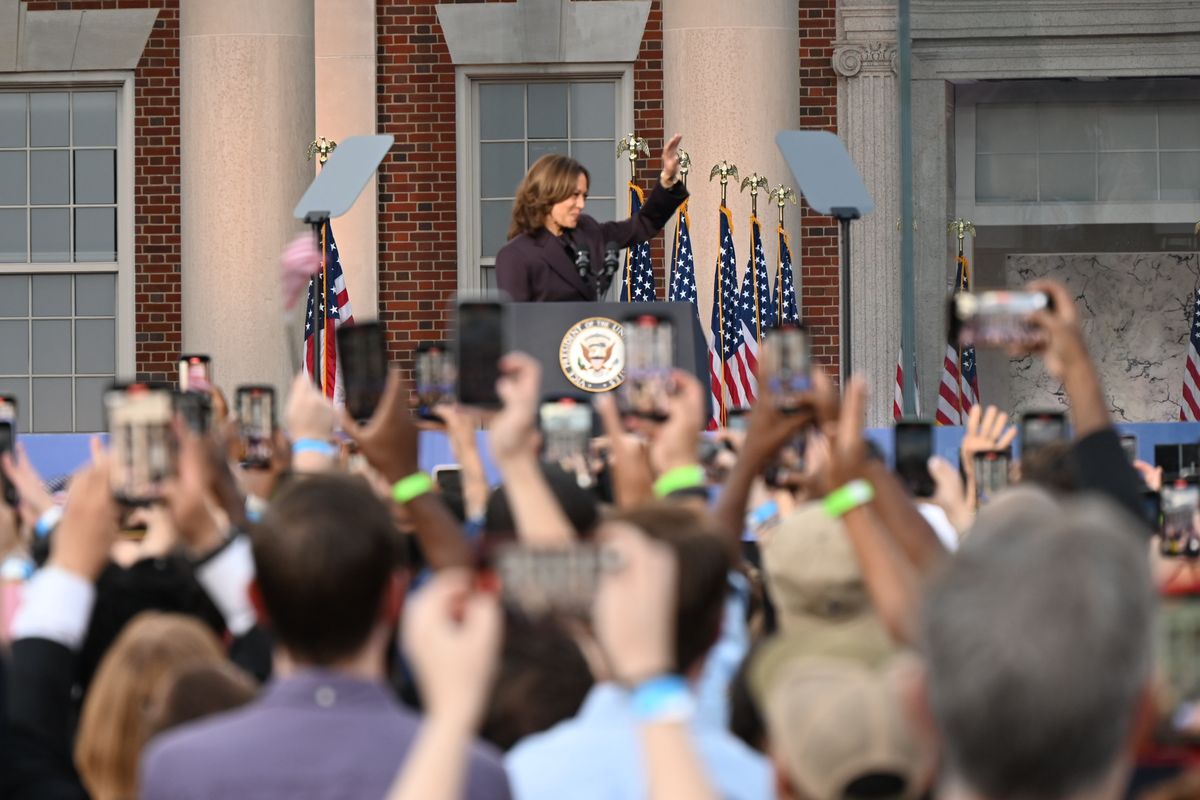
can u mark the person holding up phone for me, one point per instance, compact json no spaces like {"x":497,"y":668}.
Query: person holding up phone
{"x":555,"y":252}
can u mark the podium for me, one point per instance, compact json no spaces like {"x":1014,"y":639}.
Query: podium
{"x":573,"y":343}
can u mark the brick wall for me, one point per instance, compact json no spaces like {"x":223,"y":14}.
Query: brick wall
{"x":418,"y":225}
{"x":818,"y":246}
{"x":157,"y":311}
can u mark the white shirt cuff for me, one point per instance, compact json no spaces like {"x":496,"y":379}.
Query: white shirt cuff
{"x":57,"y":605}
{"x":226,"y":577}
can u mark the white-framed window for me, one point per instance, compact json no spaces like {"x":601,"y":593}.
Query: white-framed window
{"x":508,"y":118}
{"x":66,"y":241}
{"x":1070,"y":152}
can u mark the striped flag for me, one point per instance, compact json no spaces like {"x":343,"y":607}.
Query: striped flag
{"x":787,"y":309}
{"x":959,"y":390}
{"x":683,"y":289}
{"x":1189,"y":406}
{"x":758,"y":304}
{"x":898,"y":400}
{"x":320,"y":352}
{"x":728,"y":351}
{"x":638,"y":285}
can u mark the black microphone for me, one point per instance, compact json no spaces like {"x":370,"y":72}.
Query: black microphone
{"x":611,"y":259}
{"x":583,"y":263}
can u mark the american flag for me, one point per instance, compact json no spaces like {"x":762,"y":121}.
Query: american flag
{"x":734,"y":387}
{"x":787,"y":310}
{"x":638,"y":284}
{"x":683,"y":289}
{"x":898,"y":401}
{"x":1189,"y":409}
{"x":959,"y":390}
{"x":758,"y":304}
{"x":320,"y":352}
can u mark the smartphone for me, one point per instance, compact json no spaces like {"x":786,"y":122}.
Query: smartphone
{"x":481,"y":343}
{"x":195,"y":373}
{"x":649,"y":361}
{"x":433,"y":370}
{"x":195,"y":408}
{"x":787,"y":470}
{"x":1129,"y":444}
{"x":8,"y":439}
{"x":362,"y":354}
{"x":991,"y":474}
{"x":539,"y":581}
{"x":141,"y":440}
{"x":996,"y":319}
{"x":1177,"y":649}
{"x":737,"y":419}
{"x":448,"y":478}
{"x":913,"y":447}
{"x":1041,"y":428}
{"x":566,"y":425}
{"x":1180,"y":502}
{"x":789,"y":361}
{"x":1152,"y":509}
{"x":255,"y":407}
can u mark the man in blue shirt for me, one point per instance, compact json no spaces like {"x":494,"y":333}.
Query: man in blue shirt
{"x":597,"y":754}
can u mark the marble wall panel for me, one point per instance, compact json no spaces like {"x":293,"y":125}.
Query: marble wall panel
{"x":1136,"y":311}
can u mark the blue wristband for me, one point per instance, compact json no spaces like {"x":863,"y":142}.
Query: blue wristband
{"x":47,"y":522}
{"x":666,"y":698}
{"x":314,"y":446}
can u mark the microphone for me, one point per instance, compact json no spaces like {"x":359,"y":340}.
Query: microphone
{"x":583,"y":263}
{"x":611,"y":259}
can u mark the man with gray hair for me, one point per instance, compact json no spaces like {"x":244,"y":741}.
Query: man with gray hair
{"x":1038,"y":645}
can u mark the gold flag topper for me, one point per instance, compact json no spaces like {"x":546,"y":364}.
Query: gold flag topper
{"x":725,"y":170}
{"x":780,"y":195}
{"x":685,"y":166}
{"x":633,"y":145}
{"x":961,"y":228}
{"x":322,"y":146}
{"x":755,"y":182}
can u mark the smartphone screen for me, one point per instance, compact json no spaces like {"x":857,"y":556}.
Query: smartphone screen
{"x":649,"y":361}
{"x":566,"y":425}
{"x":913,"y":447}
{"x":8,"y":406}
{"x":255,"y":407}
{"x":541,"y":581}
{"x":1177,"y":648}
{"x":1042,"y":428}
{"x":1180,"y":502}
{"x":195,"y":408}
{"x":8,"y":437}
{"x":448,"y":478}
{"x":789,"y":359}
{"x":481,"y":343}
{"x":141,"y":441}
{"x":434,"y":373}
{"x":991,"y":474}
{"x":737,"y":419}
{"x":1129,"y":444}
{"x":195,"y":373}
{"x":362,"y":354}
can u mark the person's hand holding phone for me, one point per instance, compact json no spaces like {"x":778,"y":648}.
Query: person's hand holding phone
{"x":309,"y":414}
{"x":674,"y":442}
{"x":632,"y":475}
{"x":389,"y":440}
{"x":452,"y":638}
{"x":31,"y":490}
{"x":190,"y":496}
{"x":513,"y":431}
{"x":987,"y":430}
{"x":634,"y":610}
{"x":85,"y":536}
{"x":770,"y":427}
{"x":950,"y":493}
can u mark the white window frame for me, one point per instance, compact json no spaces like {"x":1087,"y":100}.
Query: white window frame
{"x":123,"y":267}
{"x":967,"y":97}
{"x":467,"y":78}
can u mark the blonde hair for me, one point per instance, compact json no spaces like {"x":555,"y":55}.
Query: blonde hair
{"x":133,"y":678}
{"x":550,"y":180}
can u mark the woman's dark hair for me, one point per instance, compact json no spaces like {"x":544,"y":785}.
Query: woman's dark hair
{"x":550,"y":180}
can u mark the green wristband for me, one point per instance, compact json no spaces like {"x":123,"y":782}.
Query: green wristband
{"x":674,"y":480}
{"x":842,"y":501}
{"x":408,"y":489}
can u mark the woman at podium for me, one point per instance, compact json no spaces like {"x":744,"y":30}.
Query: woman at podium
{"x":555,"y":252}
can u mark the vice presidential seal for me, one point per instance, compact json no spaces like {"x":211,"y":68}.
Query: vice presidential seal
{"x":592,"y":354}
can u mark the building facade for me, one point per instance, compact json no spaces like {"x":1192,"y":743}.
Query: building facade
{"x":151,"y":152}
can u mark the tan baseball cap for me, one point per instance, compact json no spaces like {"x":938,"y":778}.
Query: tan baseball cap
{"x":834,"y":716}
{"x":814,"y":581}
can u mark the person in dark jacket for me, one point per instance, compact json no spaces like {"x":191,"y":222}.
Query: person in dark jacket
{"x":549,"y":231}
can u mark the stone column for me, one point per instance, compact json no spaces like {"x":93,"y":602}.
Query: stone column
{"x":246,"y":117}
{"x":346,"y":103}
{"x":867,"y":123}
{"x":731,"y":81}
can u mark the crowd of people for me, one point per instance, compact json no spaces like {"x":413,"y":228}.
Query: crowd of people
{"x":335,"y":625}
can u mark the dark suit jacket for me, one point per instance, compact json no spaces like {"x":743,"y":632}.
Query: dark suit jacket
{"x":537,"y":266}
{"x":315,"y":735}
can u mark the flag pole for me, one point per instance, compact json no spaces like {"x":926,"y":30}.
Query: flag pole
{"x":631,"y":144}
{"x":685,"y":165}
{"x":780,"y":195}
{"x":320,"y":147}
{"x":755,"y":182}
{"x":724,"y":169}
{"x":960,"y":227}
